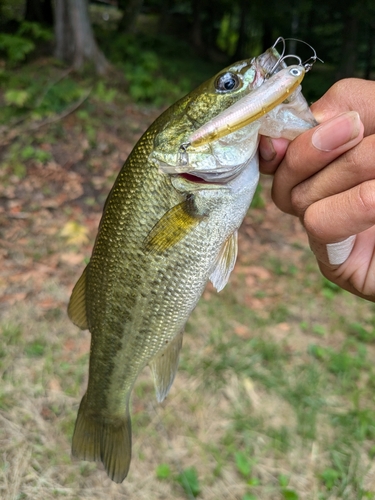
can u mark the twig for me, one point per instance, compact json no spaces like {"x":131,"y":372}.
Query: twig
{"x":52,"y":83}
{"x":35,"y":125}
{"x":62,"y":115}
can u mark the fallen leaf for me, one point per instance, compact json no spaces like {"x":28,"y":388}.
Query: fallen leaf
{"x":75,"y":233}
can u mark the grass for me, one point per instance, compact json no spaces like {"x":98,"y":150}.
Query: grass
{"x":265,"y":405}
{"x":274,"y":395}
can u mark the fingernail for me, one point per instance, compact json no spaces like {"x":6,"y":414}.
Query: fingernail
{"x":266,"y":149}
{"x":337,"y":132}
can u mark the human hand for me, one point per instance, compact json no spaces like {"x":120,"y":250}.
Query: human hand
{"x":326,"y":177}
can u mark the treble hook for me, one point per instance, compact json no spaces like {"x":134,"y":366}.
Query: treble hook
{"x":280,"y":39}
{"x":306,"y":64}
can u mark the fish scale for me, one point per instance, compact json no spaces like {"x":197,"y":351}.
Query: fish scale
{"x":162,"y":236}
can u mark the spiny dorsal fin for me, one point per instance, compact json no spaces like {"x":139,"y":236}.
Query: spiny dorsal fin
{"x":225,"y":262}
{"x":164,"y":367}
{"x":172,"y":227}
{"x":77,"y":303}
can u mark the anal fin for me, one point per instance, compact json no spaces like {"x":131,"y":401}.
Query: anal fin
{"x":77,"y":303}
{"x":225,"y":262}
{"x":164,"y":367}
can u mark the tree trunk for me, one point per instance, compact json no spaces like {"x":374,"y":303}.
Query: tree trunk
{"x":75,"y":42}
{"x":348,"y":47}
{"x":370,"y":52}
{"x":131,"y":10}
{"x":242,"y":31}
{"x":267,"y":35}
{"x":196,"y":32}
{"x":164,"y":16}
{"x":39,"y":11}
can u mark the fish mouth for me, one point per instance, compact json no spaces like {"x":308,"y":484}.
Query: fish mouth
{"x":220,"y":176}
{"x":196,"y":179}
{"x":193,"y":178}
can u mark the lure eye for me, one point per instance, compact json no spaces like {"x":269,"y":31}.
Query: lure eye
{"x":227,"y":82}
{"x":295,"y":72}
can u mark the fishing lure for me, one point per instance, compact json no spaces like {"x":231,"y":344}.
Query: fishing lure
{"x":270,"y":94}
{"x":277,"y":87}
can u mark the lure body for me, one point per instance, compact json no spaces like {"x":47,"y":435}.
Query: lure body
{"x":250,"y":108}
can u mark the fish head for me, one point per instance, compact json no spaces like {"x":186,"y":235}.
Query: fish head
{"x":222,"y":159}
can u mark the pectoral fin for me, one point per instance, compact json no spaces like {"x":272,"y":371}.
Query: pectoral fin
{"x":77,"y":303}
{"x":225,"y":262}
{"x":172,"y":227}
{"x":164,"y":367}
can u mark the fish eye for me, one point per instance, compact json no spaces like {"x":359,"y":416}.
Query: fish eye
{"x":295,"y":72}
{"x":227,"y":82}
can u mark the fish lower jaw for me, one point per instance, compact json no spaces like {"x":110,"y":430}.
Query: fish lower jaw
{"x":193,"y":178}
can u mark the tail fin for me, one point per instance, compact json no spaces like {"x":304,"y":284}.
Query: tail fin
{"x":103,"y":441}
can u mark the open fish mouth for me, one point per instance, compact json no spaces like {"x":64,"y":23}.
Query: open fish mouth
{"x":215,"y":176}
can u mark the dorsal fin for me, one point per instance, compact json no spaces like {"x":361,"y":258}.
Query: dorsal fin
{"x":225,"y":262}
{"x":172,"y":227}
{"x":77,"y":303}
{"x":164,"y":367}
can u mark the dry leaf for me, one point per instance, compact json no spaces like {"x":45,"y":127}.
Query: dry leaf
{"x":75,"y":233}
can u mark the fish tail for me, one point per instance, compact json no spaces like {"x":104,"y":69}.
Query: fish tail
{"x":103,"y":441}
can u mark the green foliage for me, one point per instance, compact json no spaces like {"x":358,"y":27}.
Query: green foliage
{"x":103,"y":93}
{"x":258,"y":200}
{"x":319,"y":330}
{"x":330,"y":477}
{"x":17,"y":46}
{"x":163,"y":471}
{"x":330,"y":289}
{"x":360,"y":423}
{"x":287,"y":493}
{"x":243,"y":463}
{"x":189,"y":481}
{"x":35,"y":349}
{"x":362,"y":333}
{"x":10,"y":333}
{"x":153,"y":67}
{"x":34,"y":31}
{"x":32,"y":153}
{"x":16,"y":98}
{"x":26,"y":95}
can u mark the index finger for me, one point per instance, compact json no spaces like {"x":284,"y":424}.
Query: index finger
{"x":350,"y":94}
{"x":312,"y":151}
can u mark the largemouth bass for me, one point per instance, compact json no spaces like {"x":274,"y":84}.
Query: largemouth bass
{"x":169,"y":225}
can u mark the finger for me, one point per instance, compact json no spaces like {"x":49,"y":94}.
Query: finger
{"x":335,"y":218}
{"x":350,"y":94}
{"x":333,"y":222}
{"x":312,"y":151}
{"x":348,"y":170}
{"x":271,"y":152}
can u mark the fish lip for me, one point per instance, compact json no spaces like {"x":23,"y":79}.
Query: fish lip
{"x":196,"y":179}
{"x":219,"y":176}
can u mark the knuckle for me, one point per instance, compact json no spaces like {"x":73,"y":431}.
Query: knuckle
{"x":311,"y":222}
{"x":342,"y":87}
{"x":298,"y":201}
{"x":366,"y":196}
